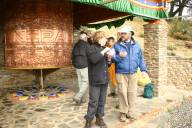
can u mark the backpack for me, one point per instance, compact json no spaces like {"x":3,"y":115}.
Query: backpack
{"x":148,"y":91}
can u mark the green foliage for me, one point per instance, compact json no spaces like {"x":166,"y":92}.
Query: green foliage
{"x":188,"y":44}
{"x":171,"y":47}
{"x":181,"y":29}
{"x":141,"y":35}
{"x":171,"y":54}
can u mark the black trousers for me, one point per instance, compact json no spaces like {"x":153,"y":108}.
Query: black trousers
{"x":97,"y":99}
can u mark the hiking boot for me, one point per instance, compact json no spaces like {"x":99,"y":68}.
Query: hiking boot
{"x":77,"y":101}
{"x":123,"y":118}
{"x":132,"y":118}
{"x":100,"y":122}
{"x":115,"y":95}
{"x":83,"y":101}
{"x":88,"y":124}
{"x":112,"y":94}
{"x":117,"y":106}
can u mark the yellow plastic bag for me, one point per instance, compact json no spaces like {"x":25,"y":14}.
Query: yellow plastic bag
{"x":142,"y":81}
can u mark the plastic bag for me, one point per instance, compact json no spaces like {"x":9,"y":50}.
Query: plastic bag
{"x":148,"y":91}
{"x":142,"y":81}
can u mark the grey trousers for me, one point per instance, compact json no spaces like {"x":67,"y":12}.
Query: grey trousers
{"x":83,"y":82}
{"x":97,"y":99}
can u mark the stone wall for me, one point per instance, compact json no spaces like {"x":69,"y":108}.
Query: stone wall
{"x":180,"y":72}
{"x":155,"y":45}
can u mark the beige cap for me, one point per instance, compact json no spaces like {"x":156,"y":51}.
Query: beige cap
{"x":126,"y":29}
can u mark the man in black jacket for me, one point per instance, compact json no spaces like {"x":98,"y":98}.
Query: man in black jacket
{"x":79,"y":61}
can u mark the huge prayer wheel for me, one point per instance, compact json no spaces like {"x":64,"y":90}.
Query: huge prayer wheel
{"x":38,"y":34}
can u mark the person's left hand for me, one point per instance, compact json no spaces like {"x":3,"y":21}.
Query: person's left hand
{"x":109,"y":53}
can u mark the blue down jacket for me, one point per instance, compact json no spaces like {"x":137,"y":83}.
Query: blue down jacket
{"x":133,"y":60}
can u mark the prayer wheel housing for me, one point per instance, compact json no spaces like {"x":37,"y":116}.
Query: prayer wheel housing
{"x":38,"y":34}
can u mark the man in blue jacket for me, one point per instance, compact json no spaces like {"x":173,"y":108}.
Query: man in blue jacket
{"x":128,"y":57}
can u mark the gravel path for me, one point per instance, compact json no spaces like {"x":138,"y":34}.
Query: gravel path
{"x":182,"y":116}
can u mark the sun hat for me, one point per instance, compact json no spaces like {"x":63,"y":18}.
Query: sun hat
{"x":126,"y":29}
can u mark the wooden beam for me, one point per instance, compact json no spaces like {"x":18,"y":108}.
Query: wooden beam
{"x":84,"y":14}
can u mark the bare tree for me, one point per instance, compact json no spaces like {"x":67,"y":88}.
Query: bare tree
{"x":179,"y":5}
{"x":189,"y":11}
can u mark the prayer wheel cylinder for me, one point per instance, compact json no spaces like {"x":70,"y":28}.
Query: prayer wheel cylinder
{"x":38,"y":34}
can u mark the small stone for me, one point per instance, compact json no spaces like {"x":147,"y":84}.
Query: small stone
{"x":63,"y":126}
{"x":67,"y":119}
{"x":40,"y":110}
{"x":75,"y":124}
{"x":20,"y":121}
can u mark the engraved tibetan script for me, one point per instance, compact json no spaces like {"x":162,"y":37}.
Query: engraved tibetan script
{"x":40,"y":35}
{"x":38,"y":48}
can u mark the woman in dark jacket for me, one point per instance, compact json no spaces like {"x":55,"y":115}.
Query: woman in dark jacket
{"x":98,"y":80}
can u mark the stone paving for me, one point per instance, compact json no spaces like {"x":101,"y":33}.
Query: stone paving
{"x":63,"y":113}
{"x":181,"y":117}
